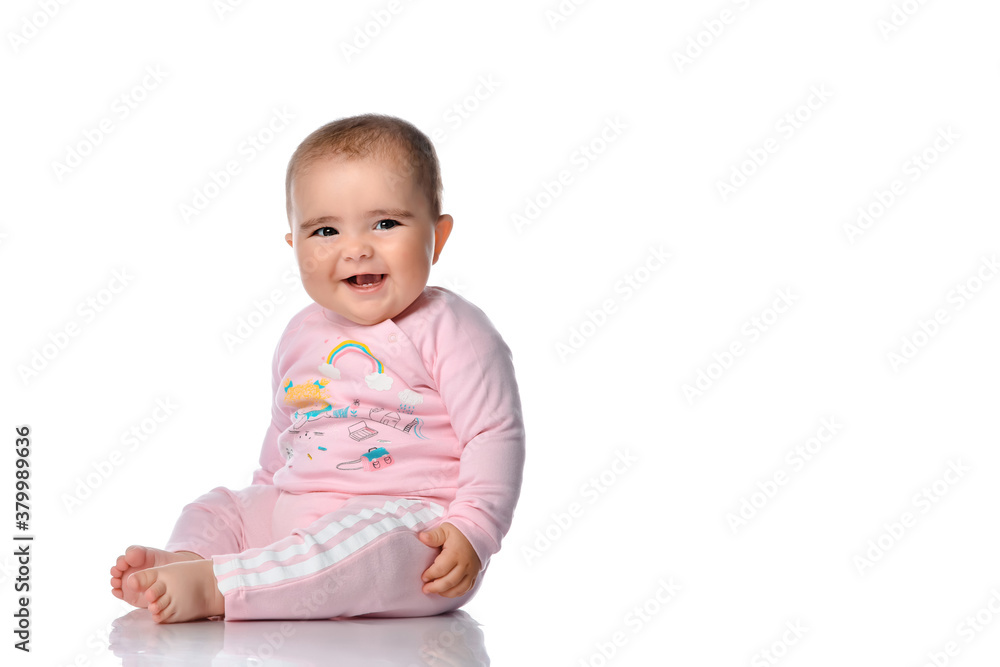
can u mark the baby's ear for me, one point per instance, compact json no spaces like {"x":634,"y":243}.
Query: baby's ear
{"x":442,"y":230}
{"x":288,"y":238}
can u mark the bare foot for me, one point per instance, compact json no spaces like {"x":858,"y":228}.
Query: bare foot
{"x":138,"y":558}
{"x":180,"y":592}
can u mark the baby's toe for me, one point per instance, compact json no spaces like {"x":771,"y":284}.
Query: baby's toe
{"x":135,"y":556}
{"x":161,"y":610}
{"x":141,"y":580}
{"x":156,"y":592}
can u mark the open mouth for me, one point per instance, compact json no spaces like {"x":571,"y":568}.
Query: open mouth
{"x":367,"y":280}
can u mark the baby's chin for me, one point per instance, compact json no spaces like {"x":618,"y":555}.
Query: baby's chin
{"x":368,"y":311}
{"x":366,"y":317}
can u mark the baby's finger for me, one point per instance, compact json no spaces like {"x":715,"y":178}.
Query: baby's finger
{"x":440,"y":583}
{"x":461,"y":588}
{"x":445,"y":583}
{"x":441,"y":566}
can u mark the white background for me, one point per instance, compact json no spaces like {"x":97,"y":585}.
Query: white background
{"x":615,"y":389}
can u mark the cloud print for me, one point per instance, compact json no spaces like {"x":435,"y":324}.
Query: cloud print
{"x":329,"y":371}
{"x":379,"y":381}
{"x":410,"y":397}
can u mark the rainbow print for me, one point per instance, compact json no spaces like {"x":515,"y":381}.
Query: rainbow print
{"x":354,"y":346}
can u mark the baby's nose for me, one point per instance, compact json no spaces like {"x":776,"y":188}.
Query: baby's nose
{"x":358,"y":248}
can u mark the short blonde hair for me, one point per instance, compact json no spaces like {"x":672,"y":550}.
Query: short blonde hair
{"x":371,"y":135}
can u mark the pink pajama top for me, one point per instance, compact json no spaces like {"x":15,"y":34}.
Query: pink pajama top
{"x":424,"y":405}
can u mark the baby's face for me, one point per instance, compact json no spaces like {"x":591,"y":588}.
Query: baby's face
{"x":363,"y":237}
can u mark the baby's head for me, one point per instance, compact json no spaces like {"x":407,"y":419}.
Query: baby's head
{"x":363,"y":196}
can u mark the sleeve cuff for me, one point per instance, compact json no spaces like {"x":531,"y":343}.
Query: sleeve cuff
{"x":483,"y":544}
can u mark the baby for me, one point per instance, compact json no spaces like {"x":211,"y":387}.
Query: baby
{"x":393,"y":462}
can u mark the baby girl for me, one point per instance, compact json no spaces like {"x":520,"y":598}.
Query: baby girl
{"x":390,"y":471}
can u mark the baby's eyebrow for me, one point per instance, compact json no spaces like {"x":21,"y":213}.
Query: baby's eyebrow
{"x":392,"y":212}
{"x":333,"y":219}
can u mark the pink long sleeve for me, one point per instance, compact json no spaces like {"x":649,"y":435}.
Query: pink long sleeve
{"x":474,"y":373}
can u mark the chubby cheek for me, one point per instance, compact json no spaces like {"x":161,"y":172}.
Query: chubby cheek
{"x":414,"y":258}
{"x":418,"y":274}
{"x":314,"y":259}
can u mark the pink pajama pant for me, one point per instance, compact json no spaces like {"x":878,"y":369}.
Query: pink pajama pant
{"x":280,"y":555}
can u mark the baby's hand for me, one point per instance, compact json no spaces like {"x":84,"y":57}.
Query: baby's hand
{"x":455,"y":569}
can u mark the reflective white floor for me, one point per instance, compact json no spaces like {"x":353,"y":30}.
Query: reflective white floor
{"x":453,"y":639}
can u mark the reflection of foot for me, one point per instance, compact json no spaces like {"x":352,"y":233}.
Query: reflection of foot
{"x":135,"y":559}
{"x":180,"y":592}
{"x":138,"y":641}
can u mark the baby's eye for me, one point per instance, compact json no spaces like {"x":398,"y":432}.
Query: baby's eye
{"x":325,"y":231}
{"x":386,"y":224}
